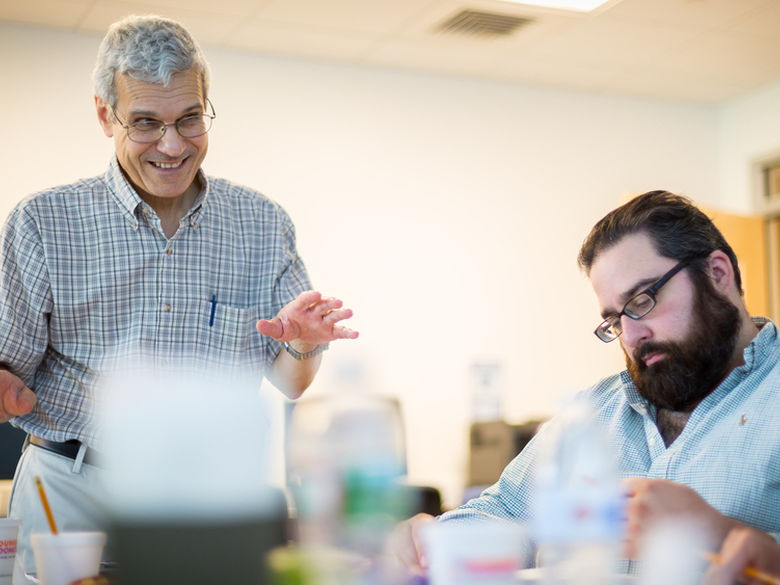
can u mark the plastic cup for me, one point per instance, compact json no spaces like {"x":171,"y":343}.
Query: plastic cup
{"x":9,"y":528}
{"x":67,"y":556}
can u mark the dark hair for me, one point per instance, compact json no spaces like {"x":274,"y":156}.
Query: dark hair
{"x":677,"y":228}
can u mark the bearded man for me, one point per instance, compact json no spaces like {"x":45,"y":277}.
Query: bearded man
{"x":693,"y":418}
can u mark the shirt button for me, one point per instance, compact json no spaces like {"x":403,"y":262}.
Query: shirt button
{"x":167,"y":308}
{"x":147,"y":212}
{"x":169,"y":251}
{"x":652,"y":442}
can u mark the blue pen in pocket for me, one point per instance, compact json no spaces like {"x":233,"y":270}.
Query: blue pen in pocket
{"x":213,"y":309}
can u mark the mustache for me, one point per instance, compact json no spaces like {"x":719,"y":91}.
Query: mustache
{"x":652,"y":347}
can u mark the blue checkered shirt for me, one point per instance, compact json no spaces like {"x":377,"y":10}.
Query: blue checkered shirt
{"x":729,"y":450}
{"x":89,"y":279}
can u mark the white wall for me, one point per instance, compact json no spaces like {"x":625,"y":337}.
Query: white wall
{"x":749,"y":132}
{"x":447,"y":212}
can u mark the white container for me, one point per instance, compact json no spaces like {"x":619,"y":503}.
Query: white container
{"x":482,"y":552}
{"x":67,"y":556}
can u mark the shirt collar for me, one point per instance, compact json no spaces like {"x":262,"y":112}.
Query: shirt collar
{"x":128,"y":199}
{"x":125,"y":195}
{"x":200,"y":200}
{"x":635,"y":400}
{"x":761,"y":345}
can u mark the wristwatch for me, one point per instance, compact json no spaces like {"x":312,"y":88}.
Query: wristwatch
{"x":306,"y":354}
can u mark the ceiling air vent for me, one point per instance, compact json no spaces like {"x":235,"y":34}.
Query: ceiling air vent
{"x":485,"y":24}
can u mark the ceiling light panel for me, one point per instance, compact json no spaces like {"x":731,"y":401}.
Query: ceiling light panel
{"x":570,"y":5}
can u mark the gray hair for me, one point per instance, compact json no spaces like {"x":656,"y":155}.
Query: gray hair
{"x":147,"y":48}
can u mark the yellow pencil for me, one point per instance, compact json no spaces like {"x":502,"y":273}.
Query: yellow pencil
{"x":46,"y":507}
{"x":749,"y":572}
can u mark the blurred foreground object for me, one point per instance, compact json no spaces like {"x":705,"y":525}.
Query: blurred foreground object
{"x":671,"y":552}
{"x":188,"y":478}
{"x":577,"y":521}
{"x":346,"y":461}
{"x":480,"y":552}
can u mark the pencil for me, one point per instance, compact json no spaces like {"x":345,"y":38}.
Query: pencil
{"x":46,"y":507}
{"x":749,"y":571}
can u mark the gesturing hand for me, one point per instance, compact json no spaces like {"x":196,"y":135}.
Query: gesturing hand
{"x":310,"y":318}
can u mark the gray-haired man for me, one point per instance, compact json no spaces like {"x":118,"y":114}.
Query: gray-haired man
{"x":152,"y":260}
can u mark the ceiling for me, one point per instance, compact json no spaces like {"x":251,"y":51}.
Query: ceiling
{"x":697,"y":50}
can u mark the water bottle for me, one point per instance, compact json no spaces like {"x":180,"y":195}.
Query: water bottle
{"x":346,"y":458}
{"x":578,"y":504}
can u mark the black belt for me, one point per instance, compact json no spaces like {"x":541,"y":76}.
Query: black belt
{"x":69,"y":449}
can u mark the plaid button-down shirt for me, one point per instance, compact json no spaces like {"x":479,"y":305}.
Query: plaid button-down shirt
{"x":88,"y":280}
{"x":729,"y":450}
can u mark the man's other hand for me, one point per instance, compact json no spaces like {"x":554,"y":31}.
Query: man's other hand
{"x":745,"y":547}
{"x":15,"y":398}
{"x":406,"y":545}
{"x":654,"y":500}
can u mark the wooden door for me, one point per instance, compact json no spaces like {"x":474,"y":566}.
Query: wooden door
{"x":749,"y":236}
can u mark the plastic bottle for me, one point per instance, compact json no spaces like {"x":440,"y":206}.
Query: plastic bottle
{"x":578,"y":504}
{"x":346,"y":457}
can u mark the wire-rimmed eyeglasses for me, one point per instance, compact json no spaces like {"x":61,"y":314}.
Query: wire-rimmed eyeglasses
{"x":146,"y":130}
{"x":636,"y":307}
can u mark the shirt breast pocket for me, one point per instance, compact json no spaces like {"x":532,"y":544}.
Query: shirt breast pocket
{"x":230,"y":334}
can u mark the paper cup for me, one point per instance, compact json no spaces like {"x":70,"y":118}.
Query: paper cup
{"x":9,"y":528}
{"x":469,"y":553}
{"x":67,"y":556}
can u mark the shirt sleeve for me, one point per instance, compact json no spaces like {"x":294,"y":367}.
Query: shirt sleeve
{"x":511,"y":496}
{"x":292,"y":279}
{"x":25,"y":295}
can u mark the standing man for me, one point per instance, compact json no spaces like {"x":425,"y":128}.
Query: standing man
{"x":694,"y":416}
{"x":152,"y":261}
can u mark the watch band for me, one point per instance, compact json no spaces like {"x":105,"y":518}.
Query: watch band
{"x":306,"y":354}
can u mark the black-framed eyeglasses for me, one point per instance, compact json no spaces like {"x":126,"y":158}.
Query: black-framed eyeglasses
{"x":146,"y":130}
{"x":636,"y":307}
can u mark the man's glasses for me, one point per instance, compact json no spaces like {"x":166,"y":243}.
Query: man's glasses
{"x":148,"y":130}
{"x":637,"y":306}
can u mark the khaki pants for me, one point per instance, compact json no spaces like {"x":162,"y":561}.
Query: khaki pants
{"x":74,"y":492}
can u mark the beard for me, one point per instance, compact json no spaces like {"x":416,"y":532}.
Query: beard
{"x":693,"y":367}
